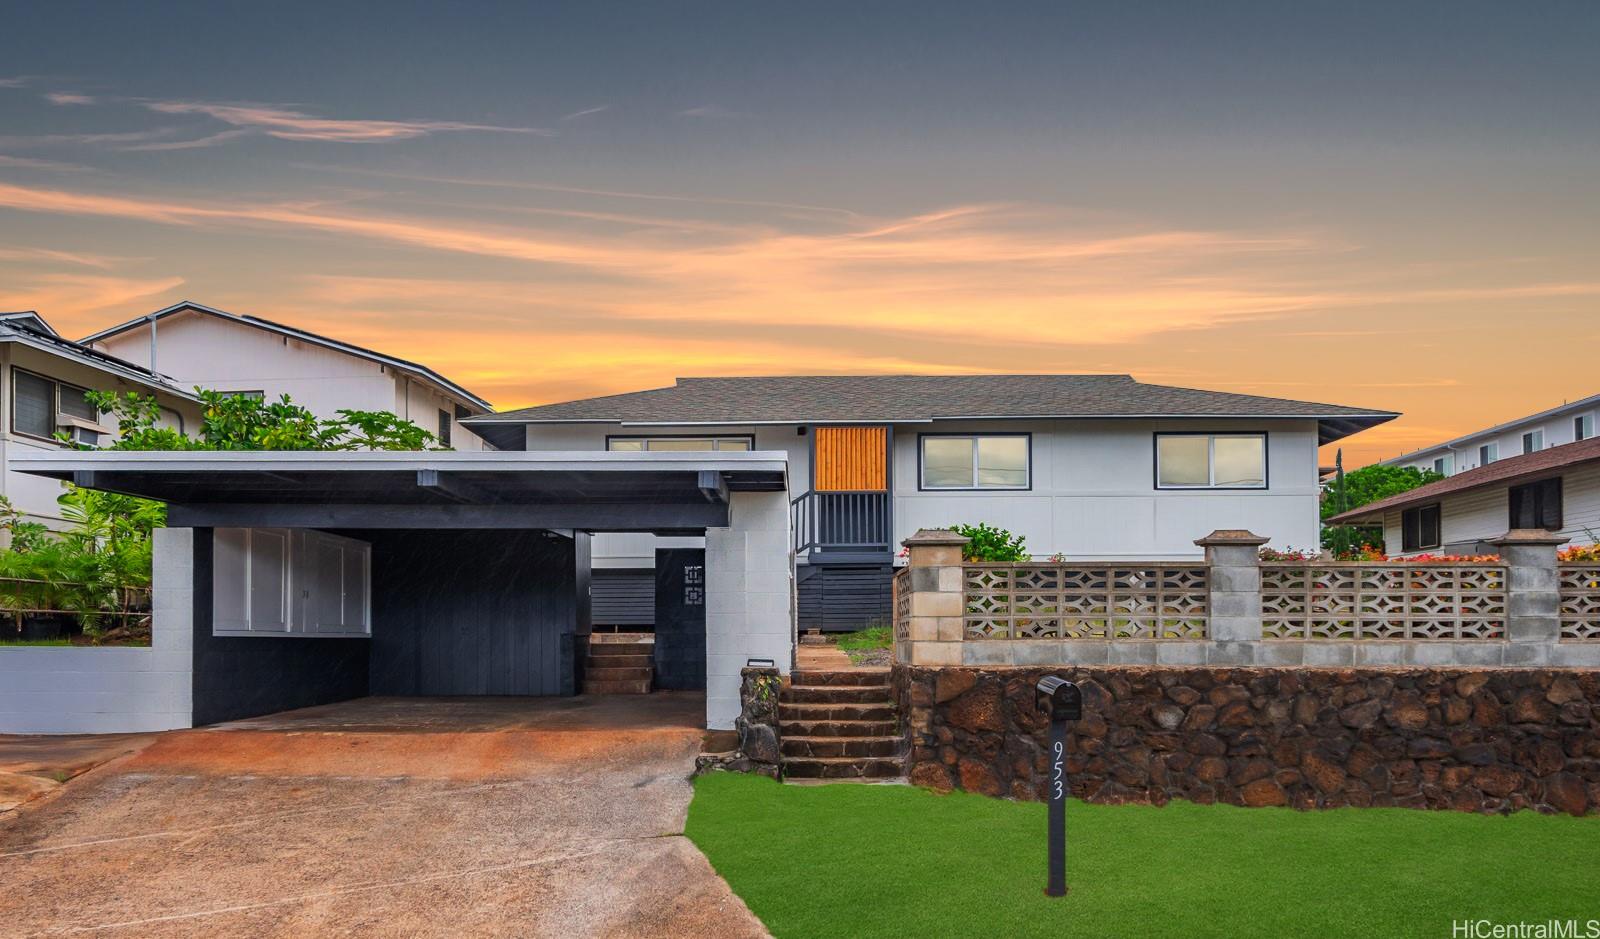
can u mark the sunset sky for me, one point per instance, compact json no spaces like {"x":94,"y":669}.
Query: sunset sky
{"x":1385,"y":204}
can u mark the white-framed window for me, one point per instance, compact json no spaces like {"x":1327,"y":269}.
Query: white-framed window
{"x":37,"y":401}
{"x":1533,"y":441}
{"x":1488,"y":453}
{"x":444,"y":428}
{"x":975,"y":461}
{"x":1211,"y":461}
{"x":679,"y":444}
{"x":1582,"y":427}
{"x":1440,"y":466}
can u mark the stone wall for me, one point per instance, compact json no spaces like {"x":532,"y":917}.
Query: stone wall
{"x":759,"y":744}
{"x":1479,"y":741}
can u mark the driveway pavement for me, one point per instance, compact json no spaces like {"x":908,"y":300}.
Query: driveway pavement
{"x":394,"y":817}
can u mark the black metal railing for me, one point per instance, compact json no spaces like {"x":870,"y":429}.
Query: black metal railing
{"x":857,"y":522}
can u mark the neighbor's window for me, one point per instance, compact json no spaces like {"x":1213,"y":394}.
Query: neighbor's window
{"x":444,"y":428}
{"x":677,"y":444}
{"x":1488,"y":453}
{"x":1537,"y":505}
{"x":36,"y":401}
{"x":1582,"y":427}
{"x":1438,"y":466}
{"x":254,"y":394}
{"x":1533,"y":441}
{"x":1419,"y":528}
{"x":975,"y":461}
{"x":1211,"y":461}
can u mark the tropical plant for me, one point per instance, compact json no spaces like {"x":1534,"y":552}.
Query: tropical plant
{"x":238,"y":422}
{"x":1360,"y":487}
{"x":988,"y":543}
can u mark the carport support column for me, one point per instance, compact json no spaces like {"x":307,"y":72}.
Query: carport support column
{"x":749,"y":597}
{"x":172,"y":615}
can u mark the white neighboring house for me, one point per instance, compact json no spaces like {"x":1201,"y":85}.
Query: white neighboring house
{"x":1087,"y":466}
{"x":1568,"y":423}
{"x":44,"y":378}
{"x":1556,"y":488}
{"x":221,"y":351}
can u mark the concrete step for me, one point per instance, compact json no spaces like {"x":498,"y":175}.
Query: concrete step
{"x":788,"y":712}
{"x":616,"y":687}
{"x":842,"y":694}
{"x":803,"y":728}
{"x":622,"y":648}
{"x":841,"y":767}
{"x":618,"y":661}
{"x":840,"y":746}
{"x":850,"y":677}
{"x":618,"y":674}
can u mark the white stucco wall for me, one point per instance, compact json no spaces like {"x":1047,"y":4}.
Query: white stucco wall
{"x":1558,"y":427}
{"x":1469,"y":517}
{"x":87,"y":690}
{"x":749,"y":597}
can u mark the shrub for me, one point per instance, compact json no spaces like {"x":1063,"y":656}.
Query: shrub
{"x":987,"y":543}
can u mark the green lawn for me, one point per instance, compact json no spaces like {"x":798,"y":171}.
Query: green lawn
{"x":895,"y":861}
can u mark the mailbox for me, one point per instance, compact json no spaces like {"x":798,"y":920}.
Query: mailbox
{"x":1061,"y":698}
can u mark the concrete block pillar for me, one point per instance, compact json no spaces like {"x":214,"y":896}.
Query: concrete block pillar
{"x":750,"y":607}
{"x":935,"y":628}
{"x":172,"y":597}
{"x":1234,"y":604}
{"x":1533,"y":586}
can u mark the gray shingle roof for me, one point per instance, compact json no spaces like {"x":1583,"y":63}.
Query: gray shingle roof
{"x":808,"y":399}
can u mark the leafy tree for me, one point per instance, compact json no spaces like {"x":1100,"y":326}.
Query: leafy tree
{"x":986,"y":543}
{"x":1361,"y":487}
{"x":235,"y":422}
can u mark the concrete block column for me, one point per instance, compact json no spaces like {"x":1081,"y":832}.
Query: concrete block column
{"x":1234,"y":603}
{"x":1533,"y":586}
{"x":935,"y":627}
{"x":750,"y":605}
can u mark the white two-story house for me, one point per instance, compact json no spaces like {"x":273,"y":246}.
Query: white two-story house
{"x":221,"y":351}
{"x":1570,"y":423}
{"x":1085,"y":466}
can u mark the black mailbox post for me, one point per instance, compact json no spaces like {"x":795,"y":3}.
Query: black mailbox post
{"x":1063,"y":701}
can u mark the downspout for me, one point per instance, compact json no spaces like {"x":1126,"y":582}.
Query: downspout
{"x":152,"y":343}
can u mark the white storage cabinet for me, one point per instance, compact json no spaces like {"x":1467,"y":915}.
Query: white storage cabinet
{"x":290,"y":582}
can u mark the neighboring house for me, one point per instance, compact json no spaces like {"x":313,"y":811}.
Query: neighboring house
{"x":1087,"y":466}
{"x":45,"y":378}
{"x":1557,"y":488}
{"x":222,"y":351}
{"x":1568,"y":423}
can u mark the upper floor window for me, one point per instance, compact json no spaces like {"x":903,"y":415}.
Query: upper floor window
{"x":678,"y":444}
{"x":1582,"y":427}
{"x":1533,"y":441}
{"x":976,"y":461}
{"x":248,"y":395}
{"x":1537,"y":505}
{"x":1439,"y":466}
{"x":444,"y":428}
{"x":1211,"y":461}
{"x":37,"y":401}
{"x":1488,"y":453}
{"x":1419,"y":528}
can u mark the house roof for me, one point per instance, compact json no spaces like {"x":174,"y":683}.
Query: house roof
{"x":1501,"y":428}
{"x":257,"y":322}
{"x":30,"y":329}
{"x":819,"y":399}
{"x":1504,"y":472}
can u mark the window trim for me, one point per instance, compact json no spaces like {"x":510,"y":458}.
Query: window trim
{"x":1027,"y":436}
{"x":1582,"y":427}
{"x":55,"y":412}
{"x":1438,"y":507}
{"x":749,"y":438}
{"x":1488,"y":453}
{"x":1528,"y":438}
{"x":1211,"y":460}
{"x":446,"y":427}
{"x":1535,"y":484}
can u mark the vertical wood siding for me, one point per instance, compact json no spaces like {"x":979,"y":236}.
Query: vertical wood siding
{"x":852,"y":458}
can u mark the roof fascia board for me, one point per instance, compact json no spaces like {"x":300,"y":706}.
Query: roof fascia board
{"x":509,"y":461}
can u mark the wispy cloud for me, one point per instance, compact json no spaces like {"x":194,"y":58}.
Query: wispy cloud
{"x":710,"y":111}
{"x":67,"y":300}
{"x":68,"y":98}
{"x":91,"y":139}
{"x":52,"y":166}
{"x":585,"y":112}
{"x":15,"y":81}
{"x":210,"y":140}
{"x":287,"y":124}
{"x":19,"y":253}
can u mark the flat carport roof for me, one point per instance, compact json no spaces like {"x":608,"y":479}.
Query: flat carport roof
{"x":592,"y":491}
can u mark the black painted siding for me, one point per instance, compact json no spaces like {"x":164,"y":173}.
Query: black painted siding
{"x":843,"y":599}
{"x":473,"y":612}
{"x":680,"y":605}
{"x":247,"y":676}
{"x":624,"y":597}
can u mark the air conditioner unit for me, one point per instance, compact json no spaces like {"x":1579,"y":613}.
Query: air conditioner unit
{"x":81,"y":432}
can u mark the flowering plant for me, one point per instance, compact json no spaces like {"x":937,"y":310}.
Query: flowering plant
{"x":1580,"y":553}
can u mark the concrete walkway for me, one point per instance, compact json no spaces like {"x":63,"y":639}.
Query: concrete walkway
{"x":381,"y":817}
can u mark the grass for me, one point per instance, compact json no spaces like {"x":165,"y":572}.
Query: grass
{"x":864,"y":640}
{"x":895,"y":861}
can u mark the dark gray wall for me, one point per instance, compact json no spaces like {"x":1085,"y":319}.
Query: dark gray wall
{"x":473,"y":612}
{"x":842,"y":599}
{"x":624,"y":597}
{"x":680,"y":602}
{"x":247,"y":676}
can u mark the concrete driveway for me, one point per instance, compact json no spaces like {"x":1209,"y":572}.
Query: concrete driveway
{"x":383,"y":816}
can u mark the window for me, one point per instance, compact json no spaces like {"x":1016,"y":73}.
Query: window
{"x":975,"y":461}
{"x":1211,"y":461}
{"x":1537,"y":505}
{"x":36,"y":402}
{"x":1419,"y":528}
{"x":444,"y":428}
{"x":678,"y":444}
{"x":1488,"y":453}
{"x":250,"y":395}
{"x":1533,"y":441}
{"x":1582,"y":427}
{"x":1438,"y":466}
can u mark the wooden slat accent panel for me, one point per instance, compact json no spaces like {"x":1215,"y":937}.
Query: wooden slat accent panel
{"x":852,"y":458}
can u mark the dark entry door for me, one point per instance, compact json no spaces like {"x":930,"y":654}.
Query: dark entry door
{"x":681,"y":618}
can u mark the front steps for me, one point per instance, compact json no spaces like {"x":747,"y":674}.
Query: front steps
{"x":839,"y":724}
{"x":619,"y":668}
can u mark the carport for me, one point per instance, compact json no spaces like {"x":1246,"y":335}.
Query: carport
{"x":290,"y":579}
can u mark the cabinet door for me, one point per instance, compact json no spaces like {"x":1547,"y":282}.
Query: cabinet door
{"x":269,"y":580}
{"x":326,"y":561}
{"x":230,"y":580}
{"x":357,"y":585}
